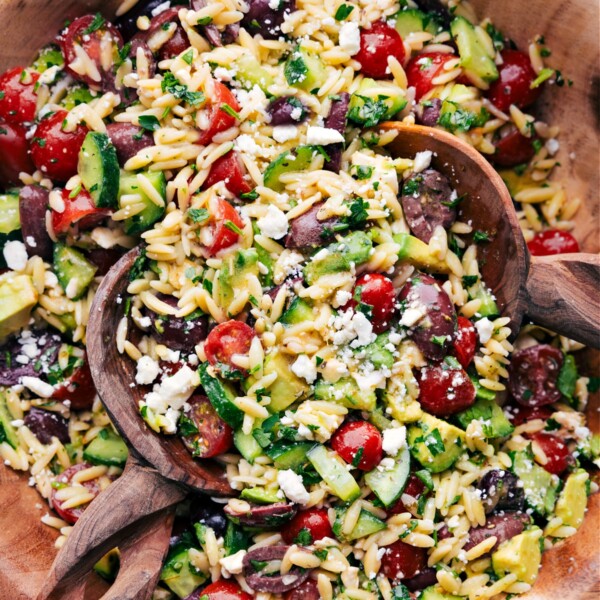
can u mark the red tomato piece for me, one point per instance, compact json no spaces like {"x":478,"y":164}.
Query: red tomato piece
{"x":83,"y":32}
{"x":223,"y":234}
{"x":80,"y":209}
{"x":555,"y":450}
{"x":521,"y":414}
{"x":71,"y":515}
{"x":465,"y":342}
{"x":513,"y":85}
{"x":423,"y":68}
{"x":359,"y":443}
{"x":55,"y":151}
{"x":314,"y":520}
{"x":444,"y":391}
{"x":18,"y":96}
{"x":378,"y":292}
{"x":219,"y":117}
{"x":225,"y":340}
{"x":513,"y":148}
{"x":224,"y":590}
{"x":78,"y":389}
{"x":230,"y":169}
{"x":552,"y":241}
{"x":402,"y":561}
{"x":309,"y":590}
{"x":415,"y":488}
{"x":376,"y":44}
{"x":14,"y":153}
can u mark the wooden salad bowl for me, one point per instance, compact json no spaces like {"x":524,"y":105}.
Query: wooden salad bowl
{"x":571,"y":570}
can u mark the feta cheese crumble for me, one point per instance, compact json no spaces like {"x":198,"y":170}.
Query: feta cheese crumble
{"x":274,"y":224}
{"x":305,"y":368}
{"x":15,"y":255}
{"x":147,"y":370}
{"x":233,"y":565}
{"x":349,"y":40}
{"x":422,"y":161}
{"x":284,"y":133}
{"x":323,"y":136}
{"x":393,"y":439}
{"x":485,"y":329}
{"x":292,"y":486}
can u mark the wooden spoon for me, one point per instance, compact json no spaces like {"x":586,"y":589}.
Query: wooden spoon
{"x":560,"y":292}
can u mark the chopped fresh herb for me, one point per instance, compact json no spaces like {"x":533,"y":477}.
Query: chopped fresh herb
{"x":228,"y":110}
{"x":451,"y":362}
{"x":545,"y":52}
{"x":543,"y":75}
{"x":188,"y":57}
{"x":253,"y":300}
{"x":552,"y":425}
{"x":411,"y":186}
{"x":96,"y":24}
{"x":425,"y":63}
{"x":1,"y":94}
{"x":567,"y":377}
{"x":196,"y":314}
{"x":41,"y":142}
{"x":253,"y":195}
{"x":434,"y":442}
{"x":358,"y":213}
{"x":204,"y":21}
{"x":319,"y":361}
{"x":454,"y":203}
{"x":186,"y":426}
{"x":594,"y":384}
{"x":421,"y":503}
{"x":172,"y":85}
{"x":321,"y":553}
{"x":497,"y":37}
{"x":198,"y":215}
{"x":439,"y":340}
{"x":480,"y":236}
{"x":139,"y":267}
{"x":537,"y":145}
{"x":304,"y":537}
{"x":454,"y":118}
{"x":371,"y":112}
{"x":356,"y":458}
{"x":259,"y":565}
{"x":75,"y":191}
{"x":412,"y":526}
{"x":425,"y":476}
{"x":295,"y":69}
{"x":520,"y":169}
{"x":149,"y":122}
{"x":376,"y":185}
{"x":233,"y":227}
{"x":362,"y":172}
{"x":343,"y":12}
{"x":469,"y":280}
{"x":165,"y":26}
{"x":207,"y":285}
{"x":123,"y":54}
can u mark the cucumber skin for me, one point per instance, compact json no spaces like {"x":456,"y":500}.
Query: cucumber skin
{"x":110,"y":450}
{"x":332,"y":469}
{"x":152,"y":213}
{"x":102,"y":179}
{"x":77,"y":262}
{"x":217,"y":394}
{"x":389,"y":485}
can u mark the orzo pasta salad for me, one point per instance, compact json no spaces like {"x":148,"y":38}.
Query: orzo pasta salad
{"x":306,"y":309}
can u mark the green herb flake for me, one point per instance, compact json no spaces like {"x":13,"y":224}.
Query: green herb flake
{"x":469,"y":280}
{"x":304,"y":537}
{"x":204,"y":21}
{"x":228,"y":110}
{"x":357,"y":457}
{"x":139,"y":267}
{"x":434,"y":442}
{"x":207,"y":285}
{"x":425,"y":476}
{"x":198,"y":215}
{"x":96,"y":24}
{"x":543,"y":75}
{"x":295,"y":69}
{"x":362,"y":172}
{"x":253,"y":195}
{"x":343,"y":12}
{"x":172,"y":85}
{"x":567,"y":377}
{"x":321,"y":553}
{"x":149,"y":122}
{"x":480,"y":236}
{"x":371,"y":112}
{"x":188,"y":57}
{"x":233,"y":227}
{"x":319,"y":361}
{"x":186,"y":426}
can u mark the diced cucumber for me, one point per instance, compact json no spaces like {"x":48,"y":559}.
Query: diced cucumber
{"x":475,"y":60}
{"x":107,"y":448}
{"x":378,"y":418}
{"x":494,"y":421}
{"x":247,"y":446}
{"x":488,"y":307}
{"x":265,"y":258}
{"x":481,"y":393}
{"x":290,"y":161}
{"x":346,"y":392}
{"x":73,"y":270}
{"x":260,"y":496}
{"x":388,"y":484}
{"x":10,"y":220}
{"x":108,"y":566}
{"x":305,"y":70}
{"x":249,"y":73}
{"x":409,"y":21}
{"x":77,"y":95}
{"x":288,"y":455}
{"x":178,"y":574}
{"x":49,"y":56}
{"x":299,"y":311}
{"x":221,"y":396}
{"x":355,"y":247}
{"x":375,"y":101}
{"x":236,"y":539}
{"x":98,"y":168}
{"x":367,"y":524}
{"x":417,"y":253}
{"x":7,"y":432}
{"x":333,"y":470}
{"x":435,"y":593}
{"x":378,"y":354}
{"x":152,"y":212}
{"x":539,"y":486}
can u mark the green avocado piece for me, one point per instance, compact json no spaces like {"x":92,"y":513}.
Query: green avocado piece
{"x":417,"y":253}
{"x":494,"y":421}
{"x":17,"y":297}
{"x":249,"y":73}
{"x":367,"y":524}
{"x":573,"y":499}
{"x":260,"y":496}
{"x":539,"y":486}
{"x":521,"y":555}
{"x":108,"y":566}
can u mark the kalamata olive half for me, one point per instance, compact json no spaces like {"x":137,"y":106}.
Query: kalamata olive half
{"x":128,"y":140}
{"x":503,"y":525}
{"x":500,"y":491}
{"x":270,"y":516}
{"x":307,"y":231}
{"x":263,"y":19}
{"x":210,"y":32}
{"x":45,"y":425}
{"x":287,"y":110}
{"x":426,"y":200}
{"x":432,"y":312}
{"x":209,"y":513}
{"x":276,"y":584}
{"x":336,"y":119}
{"x":33,"y":203}
{"x":428,"y":112}
{"x":126,"y":23}
{"x":422,"y":580}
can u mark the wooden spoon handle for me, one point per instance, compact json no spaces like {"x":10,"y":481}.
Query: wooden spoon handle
{"x":564,"y":295}
{"x":124,"y":515}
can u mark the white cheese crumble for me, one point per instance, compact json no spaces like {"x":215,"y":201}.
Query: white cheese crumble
{"x":485,"y":329}
{"x":147,"y":370}
{"x":412,"y":316}
{"x":161,"y":8}
{"x":37,"y":386}
{"x":105,"y":237}
{"x":305,"y":368}
{"x":15,"y":255}
{"x":274,"y":224}
{"x":246,"y":144}
{"x":292,"y":486}
{"x":233,"y":565}
{"x":350,"y":38}
{"x":284,"y":133}
{"x":351,"y":327}
{"x":552,"y":145}
{"x":323,"y":136}
{"x":422,"y":161}
{"x":393,"y":439}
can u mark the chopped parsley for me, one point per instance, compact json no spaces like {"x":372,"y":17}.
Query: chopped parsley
{"x":123,"y":54}
{"x":233,"y":227}
{"x":228,"y":110}
{"x":411,"y":186}
{"x":139,"y":267}
{"x":188,"y":57}
{"x":172,"y":85}
{"x":371,"y":112}
{"x":567,"y":377}
{"x":497,"y":37}
{"x":295,"y":69}
{"x":469,"y":280}
{"x":253,"y":195}
{"x":356,"y":458}
{"x":97,"y":23}
{"x":304,"y":537}
{"x":454,"y":118}
{"x":198,"y":215}
{"x":186,"y":426}
{"x":204,"y":21}
{"x":358,"y":213}
{"x":480,"y":236}
{"x":362,"y":172}
{"x":343,"y":12}
{"x":321,"y":553}
{"x":149,"y":122}
{"x":434,"y":442}
{"x":425,"y":476}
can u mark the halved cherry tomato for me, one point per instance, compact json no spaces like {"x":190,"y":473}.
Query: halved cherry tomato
{"x":223,"y":234}
{"x":18,"y":95}
{"x":14,"y":153}
{"x":552,"y":241}
{"x":415,"y":488}
{"x":465,"y":342}
{"x":230,"y":169}
{"x":423,"y":68}
{"x":376,"y":44}
{"x":309,"y":590}
{"x":225,"y":340}
{"x":83,"y":33}
{"x":219,"y":118}
{"x":378,"y":292}
{"x":214,"y":436}
{"x":224,"y":590}
{"x":521,"y":414}
{"x":359,"y":443}
{"x":71,"y":515}
{"x":55,"y":151}
{"x":78,"y":389}
{"x":555,"y":450}
{"x":513,"y":85}
{"x":512,"y":148}
{"x":402,"y":561}
{"x":79,"y":209}
{"x":314,"y":521}
{"x":444,"y":391}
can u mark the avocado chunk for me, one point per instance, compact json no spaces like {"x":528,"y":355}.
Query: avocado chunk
{"x":250,"y":73}
{"x":346,"y":392}
{"x":107,"y":448}
{"x":305,"y":70}
{"x":17,"y":297}
{"x":299,"y":311}
{"x":573,"y":499}
{"x":417,"y":253}
{"x":232,"y":276}
{"x":178,"y":574}
{"x":435,"y":593}
{"x":260,"y":496}
{"x":520,"y":555}
{"x":367,"y":524}
{"x":404,"y":408}
{"x":290,"y":161}
{"x":108,"y":566}
{"x":375,"y":101}
{"x":492,"y":417}
{"x":327,"y":264}
{"x":8,"y":433}
{"x":540,"y":487}
{"x":437,"y":445}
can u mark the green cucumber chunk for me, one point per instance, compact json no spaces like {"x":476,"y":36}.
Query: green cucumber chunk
{"x":388,"y":484}
{"x":178,"y":574}
{"x":375,"y":101}
{"x":539,"y":485}
{"x":305,"y":70}
{"x":333,"y":470}
{"x":346,"y":392}
{"x":98,"y":168}
{"x":494,"y":421}
{"x":73,"y":270}
{"x":290,"y":161}
{"x":249,"y":73}
{"x":221,"y":396}
{"x":377,"y":353}
{"x":107,"y":448}
{"x":288,"y":455}
{"x":299,"y":311}
{"x":247,"y":446}
{"x":260,"y":496}
{"x":49,"y":56}
{"x":8,"y":433}
{"x":367,"y":524}
{"x":10,"y":219}
{"x":151,"y":212}
{"x":77,"y":95}
{"x":435,"y":593}
{"x":236,"y":539}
